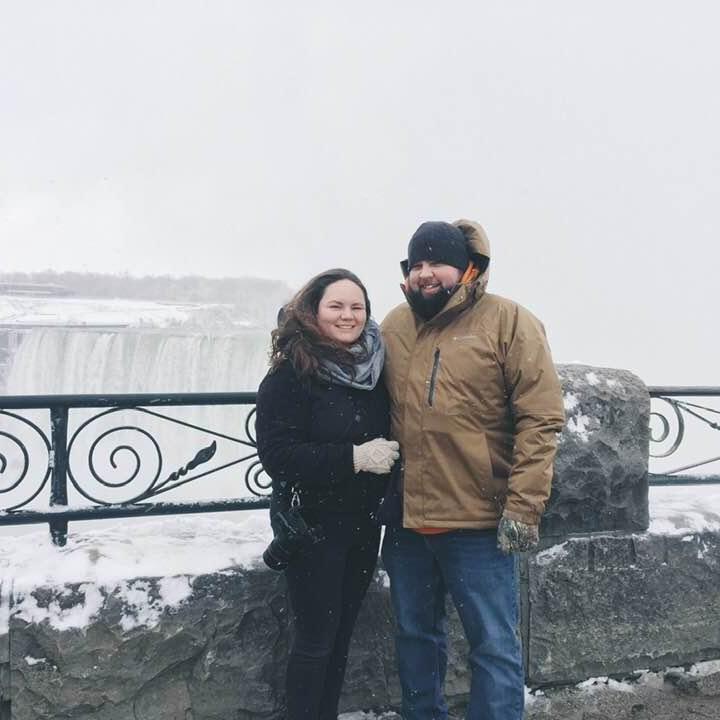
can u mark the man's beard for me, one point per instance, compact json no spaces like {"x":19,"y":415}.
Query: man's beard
{"x":429,"y":307}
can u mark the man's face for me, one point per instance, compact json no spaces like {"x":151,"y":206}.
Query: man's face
{"x":430,"y":278}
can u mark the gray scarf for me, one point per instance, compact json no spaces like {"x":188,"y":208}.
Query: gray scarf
{"x":367,"y":370}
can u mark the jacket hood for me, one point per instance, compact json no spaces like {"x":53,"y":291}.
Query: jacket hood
{"x":478,"y":243}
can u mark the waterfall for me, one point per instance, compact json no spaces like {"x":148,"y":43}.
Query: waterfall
{"x":51,"y":361}
{"x":134,"y":448}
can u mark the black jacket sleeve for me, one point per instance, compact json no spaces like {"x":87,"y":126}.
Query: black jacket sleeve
{"x":284,"y":436}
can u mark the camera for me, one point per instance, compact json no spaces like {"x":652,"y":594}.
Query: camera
{"x":292,"y":536}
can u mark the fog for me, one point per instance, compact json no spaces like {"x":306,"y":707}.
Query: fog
{"x":278,"y":139}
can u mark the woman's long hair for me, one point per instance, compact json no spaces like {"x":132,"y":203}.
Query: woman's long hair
{"x":298,"y":337}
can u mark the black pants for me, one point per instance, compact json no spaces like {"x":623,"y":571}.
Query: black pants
{"x":326,"y":587}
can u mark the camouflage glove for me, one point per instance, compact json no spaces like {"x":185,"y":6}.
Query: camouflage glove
{"x":515,"y":536}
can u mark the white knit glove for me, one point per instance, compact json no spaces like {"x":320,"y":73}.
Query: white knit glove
{"x":375,"y":456}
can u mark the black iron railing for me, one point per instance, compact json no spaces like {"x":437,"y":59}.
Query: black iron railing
{"x":673,"y":408}
{"x":36,"y":489}
{"x":35,"y":486}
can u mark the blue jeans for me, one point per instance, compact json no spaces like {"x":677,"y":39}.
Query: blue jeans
{"x":483,"y":584}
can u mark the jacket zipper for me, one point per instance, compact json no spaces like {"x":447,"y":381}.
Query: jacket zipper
{"x":433,"y":377}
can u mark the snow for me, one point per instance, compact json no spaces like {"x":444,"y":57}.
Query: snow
{"x":545,"y":557}
{"x":686,"y":510}
{"x":152,"y":548}
{"x":5,"y":602}
{"x":30,"y":660}
{"x":679,"y":511}
{"x":532,"y":696}
{"x":146,"y":610}
{"x":708,"y":667}
{"x":578,"y":424}
{"x":118,"y":560}
{"x":646,"y":677}
{"x":115,"y":560}
{"x":198,"y":544}
{"x":25,"y":311}
{"x":602,"y":683}
{"x":83,"y":311}
{"x":77,"y":615}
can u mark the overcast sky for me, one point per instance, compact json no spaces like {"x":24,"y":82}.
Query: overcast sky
{"x":280,"y":139}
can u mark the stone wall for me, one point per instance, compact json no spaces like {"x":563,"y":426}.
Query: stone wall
{"x":602,"y":596}
{"x":614,"y":604}
{"x":220,"y":653}
{"x":601,"y":466}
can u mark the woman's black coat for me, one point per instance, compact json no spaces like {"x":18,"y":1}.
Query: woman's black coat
{"x":306,"y":429}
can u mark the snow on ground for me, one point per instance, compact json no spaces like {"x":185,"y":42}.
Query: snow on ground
{"x":556,"y":552}
{"x":71,"y":311}
{"x":599,"y":683}
{"x":684,"y":510}
{"x":116,"y":560}
{"x":708,"y":667}
{"x":197,"y":544}
{"x":646,"y":677}
{"x":183,"y":545}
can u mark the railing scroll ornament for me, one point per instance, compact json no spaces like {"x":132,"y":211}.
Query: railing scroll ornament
{"x":116,"y":467}
{"x":670,"y":421}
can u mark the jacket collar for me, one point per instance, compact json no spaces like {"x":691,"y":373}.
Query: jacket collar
{"x":462,"y":298}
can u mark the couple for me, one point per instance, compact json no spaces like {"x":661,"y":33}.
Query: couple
{"x":464,"y":384}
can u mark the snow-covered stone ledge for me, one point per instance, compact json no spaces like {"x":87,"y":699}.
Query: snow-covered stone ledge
{"x":162,"y":619}
{"x":149,"y":619}
{"x":178,"y":618}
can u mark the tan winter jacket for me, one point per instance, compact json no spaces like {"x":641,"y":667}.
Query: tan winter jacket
{"x":475,"y":405}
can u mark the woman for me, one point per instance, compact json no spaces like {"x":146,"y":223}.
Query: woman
{"x":322,"y":420}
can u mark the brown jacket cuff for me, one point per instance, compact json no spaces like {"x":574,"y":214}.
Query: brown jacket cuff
{"x":527,"y":517}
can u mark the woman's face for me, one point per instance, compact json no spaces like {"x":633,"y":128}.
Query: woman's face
{"x":341,"y":313}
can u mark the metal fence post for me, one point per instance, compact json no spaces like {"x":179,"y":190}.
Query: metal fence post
{"x":59,"y":463}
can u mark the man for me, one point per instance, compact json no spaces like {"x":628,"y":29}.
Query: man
{"x":476,"y":405}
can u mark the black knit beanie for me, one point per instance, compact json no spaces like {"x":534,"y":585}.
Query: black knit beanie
{"x":439,"y":242}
